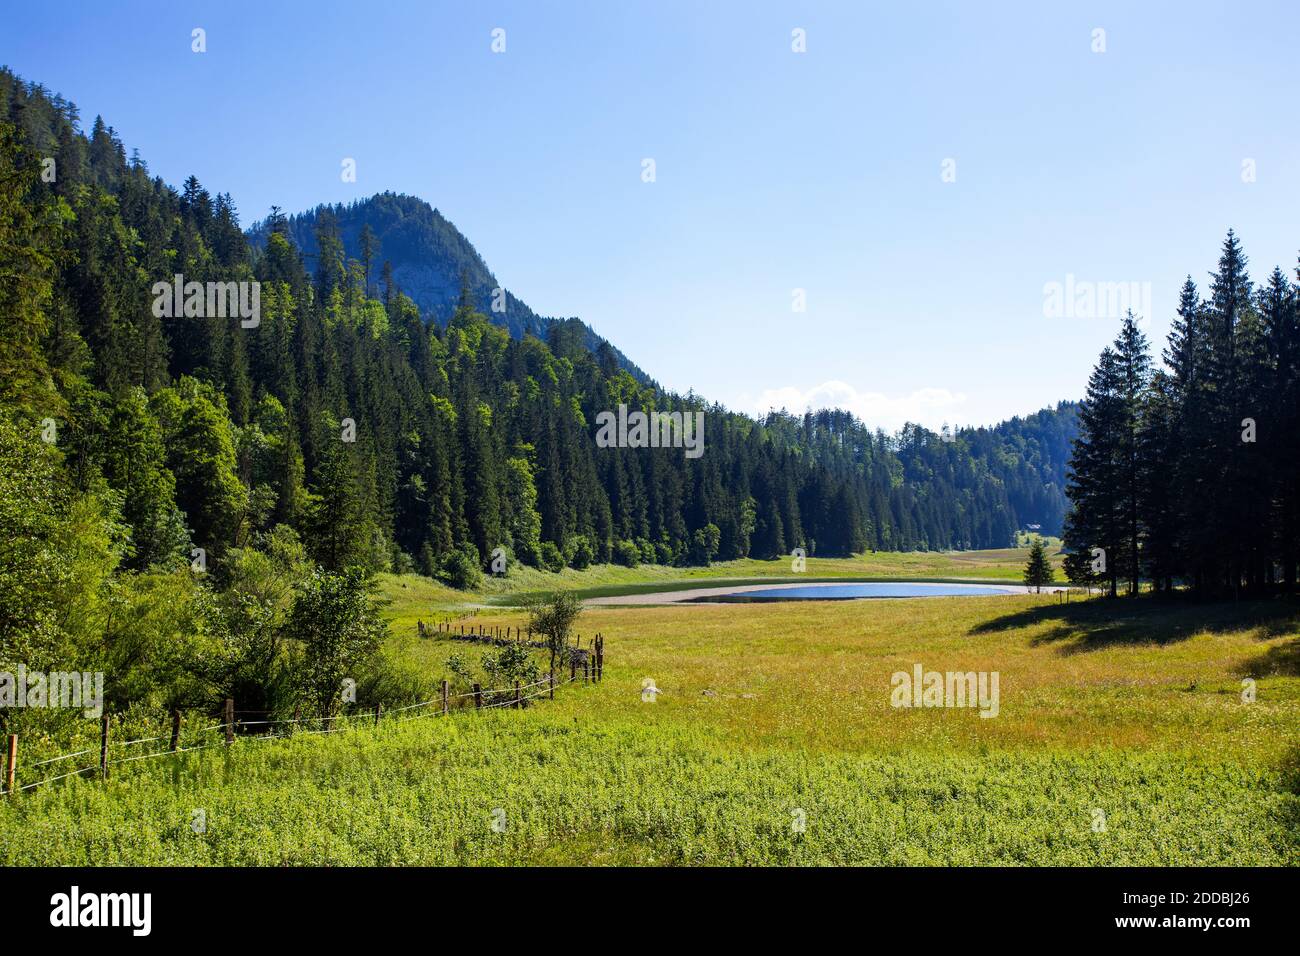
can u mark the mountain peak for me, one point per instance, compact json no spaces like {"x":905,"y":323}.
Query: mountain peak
{"x":429,"y":255}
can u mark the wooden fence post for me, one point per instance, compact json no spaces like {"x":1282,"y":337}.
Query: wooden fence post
{"x":230,"y":721}
{"x":11,"y":767}
{"x":517,"y":701}
{"x":478,"y":697}
{"x":586,"y":665}
{"x":379,"y":712}
{"x":103,"y":747}
{"x":445,"y":689}
{"x":573,"y":667}
{"x":176,"y":729}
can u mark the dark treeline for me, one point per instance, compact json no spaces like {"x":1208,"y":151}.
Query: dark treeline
{"x":466,"y":439}
{"x":1188,"y":473}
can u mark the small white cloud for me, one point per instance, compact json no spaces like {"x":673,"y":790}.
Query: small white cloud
{"x":931,"y":407}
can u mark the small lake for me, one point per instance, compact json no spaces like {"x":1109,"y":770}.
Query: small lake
{"x":848,"y":592}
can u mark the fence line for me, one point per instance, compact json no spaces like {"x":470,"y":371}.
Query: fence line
{"x":514,"y":699}
{"x":79,"y":753}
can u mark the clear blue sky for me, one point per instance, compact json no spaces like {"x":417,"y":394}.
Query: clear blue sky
{"x":775,"y":170}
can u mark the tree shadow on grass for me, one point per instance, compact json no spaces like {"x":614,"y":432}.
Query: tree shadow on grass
{"x":1095,"y":624}
{"x":1280,"y":660}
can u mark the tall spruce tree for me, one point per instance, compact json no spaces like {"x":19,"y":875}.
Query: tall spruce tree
{"x":1134,"y":363}
{"x":1097,"y":471}
{"x":1279,"y":310}
{"x":1229,"y":303}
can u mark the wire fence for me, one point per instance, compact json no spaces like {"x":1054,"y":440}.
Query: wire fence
{"x":436,"y":707}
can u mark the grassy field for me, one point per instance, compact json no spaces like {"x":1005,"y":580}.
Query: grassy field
{"x":1121,"y":738}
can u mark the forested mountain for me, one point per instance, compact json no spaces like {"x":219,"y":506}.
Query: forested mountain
{"x":1189,"y":472}
{"x":384,"y":441}
{"x":404,"y":241}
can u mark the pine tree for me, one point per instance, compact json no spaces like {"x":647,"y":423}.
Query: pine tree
{"x":334,"y":518}
{"x":1135,"y":372}
{"x":1096,"y":470}
{"x":1281,"y":318}
{"x":369,"y":248}
{"x":1230,"y":295}
{"x":1037,"y":570}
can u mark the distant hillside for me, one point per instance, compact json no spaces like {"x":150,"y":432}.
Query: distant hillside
{"x":1030,"y":455}
{"x":428,"y":256}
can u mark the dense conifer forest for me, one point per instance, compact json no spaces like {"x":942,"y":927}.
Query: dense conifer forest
{"x":1187,"y":472}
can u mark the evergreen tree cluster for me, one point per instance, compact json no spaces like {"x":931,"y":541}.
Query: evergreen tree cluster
{"x":1188,"y":473}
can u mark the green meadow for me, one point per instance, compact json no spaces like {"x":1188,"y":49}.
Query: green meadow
{"x":1122,"y":737}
